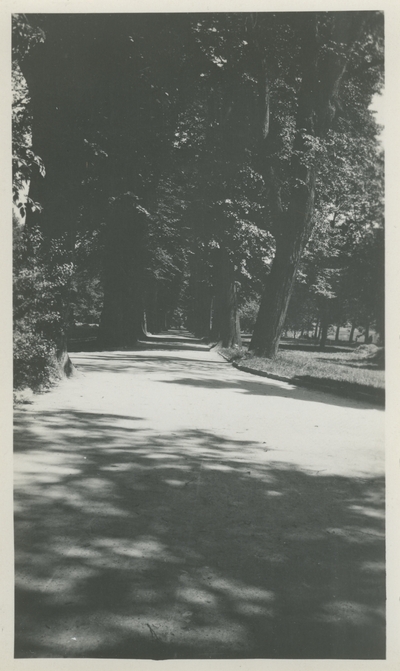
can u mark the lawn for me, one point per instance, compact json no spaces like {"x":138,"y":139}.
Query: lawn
{"x":360,"y":369}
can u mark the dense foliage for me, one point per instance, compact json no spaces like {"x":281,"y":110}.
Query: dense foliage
{"x":186,"y":169}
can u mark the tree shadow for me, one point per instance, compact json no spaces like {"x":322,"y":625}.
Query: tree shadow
{"x":354,"y":363}
{"x":136,"y":359}
{"x":169,"y":340}
{"x":374,"y":395}
{"x":284,"y":390}
{"x":134,"y":544}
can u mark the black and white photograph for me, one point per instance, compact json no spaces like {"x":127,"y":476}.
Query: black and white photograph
{"x":198,"y":286}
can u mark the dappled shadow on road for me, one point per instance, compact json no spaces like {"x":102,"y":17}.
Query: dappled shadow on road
{"x":173,"y":336}
{"x":132,"y":362}
{"x":136,"y":544}
{"x":171,"y":345}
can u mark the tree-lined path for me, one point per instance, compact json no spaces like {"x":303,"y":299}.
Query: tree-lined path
{"x":168,"y":505}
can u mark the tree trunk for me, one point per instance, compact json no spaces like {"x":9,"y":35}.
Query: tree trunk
{"x":278,"y":290}
{"x":295,"y":225}
{"x":200,"y":309}
{"x":64,"y":363}
{"x":351,"y":336}
{"x":366,"y":338}
{"x":154,"y":312}
{"x":315,"y":335}
{"x":226,"y":327}
{"x":324,"y":326}
{"x":337,"y":335}
{"x":150,"y":303}
{"x":123,"y":320}
{"x":321,"y":76}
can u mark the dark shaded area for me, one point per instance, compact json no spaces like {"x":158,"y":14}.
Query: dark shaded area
{"x":132,"y":544}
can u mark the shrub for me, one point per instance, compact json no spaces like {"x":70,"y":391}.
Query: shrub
{"x":34,"y":361}
{"x":41,"y":275}
{"x":248,"y":315}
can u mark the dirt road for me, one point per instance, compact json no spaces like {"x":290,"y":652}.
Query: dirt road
{"x":170,"y":506}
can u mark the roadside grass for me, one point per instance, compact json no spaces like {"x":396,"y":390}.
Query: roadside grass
{"x":359,"y":369}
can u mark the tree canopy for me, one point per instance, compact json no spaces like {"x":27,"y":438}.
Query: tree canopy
{"x":176,"y":168}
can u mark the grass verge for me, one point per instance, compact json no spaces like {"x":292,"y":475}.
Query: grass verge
{"x":357,"y":371}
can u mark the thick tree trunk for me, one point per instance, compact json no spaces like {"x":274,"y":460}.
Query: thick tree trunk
{"x":321,"y":76}
{"x":123,"y":320}
{"x":155,"y":307}
{"x":295,"y":225}
{"x":279,"y":285}
{"x":351,"y":336}
{"x":226,"y":327}
{"x":366,"y":338}
{"x":152,"y":311}
{"x":200,"y":308}
{"x":337,"y":334}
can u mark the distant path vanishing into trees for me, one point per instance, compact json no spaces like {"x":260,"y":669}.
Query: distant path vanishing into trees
{"x":170,"y":506}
